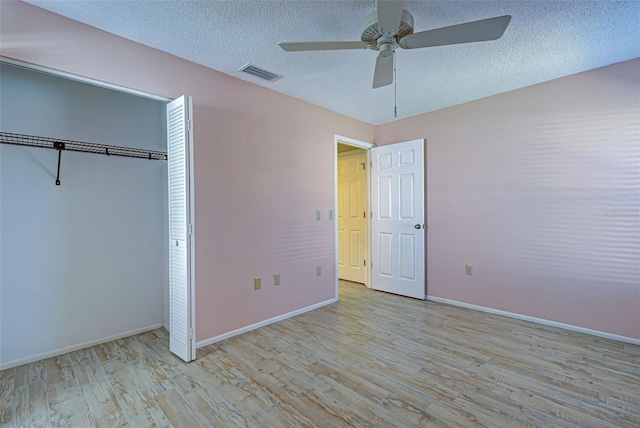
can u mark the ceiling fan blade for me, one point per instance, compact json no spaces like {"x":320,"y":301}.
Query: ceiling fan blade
{"x":321,"y":46}
{"x":389,"y":14}
{"x":383,"y":74}
{"x":476,"y":31}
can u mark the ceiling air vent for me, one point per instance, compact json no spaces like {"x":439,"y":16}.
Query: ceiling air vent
{"x":260,"y":73}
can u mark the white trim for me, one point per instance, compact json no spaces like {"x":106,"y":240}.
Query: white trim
{"x":82,"y":79}
{"x":535,"y":320}
{"x":263,"y":323}
{"x":337,"y":139}
{"x":192,"y":235}
{"x":56,"y":352}
{"x":352,"y":142}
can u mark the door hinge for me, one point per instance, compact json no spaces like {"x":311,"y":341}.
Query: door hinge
{"x":190,"y":229}
{"x":364,"y":166}
{"x":191,"y":333}
{"x":189,"y":125}
{"x":365,"y":262}
{"x":364,"y":214}
{"x":371,"y":164}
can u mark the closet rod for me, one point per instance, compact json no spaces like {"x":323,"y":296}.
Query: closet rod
{"x":79,"y":146}
{"x":60,"y":144}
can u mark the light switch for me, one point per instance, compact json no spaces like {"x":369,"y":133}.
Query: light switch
{"x":317,"y":214}
{"x":330,"y":214}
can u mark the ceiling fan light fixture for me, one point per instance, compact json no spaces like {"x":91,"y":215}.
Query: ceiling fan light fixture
{"x":371,"y":30}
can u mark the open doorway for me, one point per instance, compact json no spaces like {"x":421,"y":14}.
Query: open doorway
{"x":352,"y":214}
{"x":393,"y":215}
{"x":94,"y":249}
{"x":352,"y":210}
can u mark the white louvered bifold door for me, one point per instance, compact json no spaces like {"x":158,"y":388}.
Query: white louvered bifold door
{"x":180,"y":227}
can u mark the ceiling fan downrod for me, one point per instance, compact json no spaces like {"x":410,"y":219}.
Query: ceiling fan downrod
{"x":395,"y":89}
{"x":386,"y":49}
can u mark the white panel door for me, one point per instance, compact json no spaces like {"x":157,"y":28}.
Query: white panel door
{"x":397,"y":221}
{"x":352,"y":223}
{"x":179,"y":145}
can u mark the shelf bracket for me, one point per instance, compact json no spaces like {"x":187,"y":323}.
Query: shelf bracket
{"x":59,"y":147}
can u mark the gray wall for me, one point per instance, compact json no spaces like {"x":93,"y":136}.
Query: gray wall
{"x":85,"y":260}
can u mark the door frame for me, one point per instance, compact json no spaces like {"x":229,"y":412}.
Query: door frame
{"x":192,"y":230}
{"x":339,"y":139}
{"x":191,"y":227}
{"x":83,"y":79}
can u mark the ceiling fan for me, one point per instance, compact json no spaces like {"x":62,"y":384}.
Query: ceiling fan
{"x":391,"y":26}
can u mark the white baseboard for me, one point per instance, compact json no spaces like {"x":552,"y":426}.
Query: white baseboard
{"x":535,"y":320}
{"x":263,"y":323}
{"x":56,"y":352}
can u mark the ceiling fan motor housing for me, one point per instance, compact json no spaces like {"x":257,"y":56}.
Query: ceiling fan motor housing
{"x":371,"y":31}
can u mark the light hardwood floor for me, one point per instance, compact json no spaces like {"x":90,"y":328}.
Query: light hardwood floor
{"x":373,"y":359}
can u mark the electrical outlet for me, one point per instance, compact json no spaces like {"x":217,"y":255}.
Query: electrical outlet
{"x":257,"y":284}
{"x":276,"y":279}
{"x":330,"y":214}
{"x":318,"y":270}
{"x":317,"y":214}
{"x":468,"y":270}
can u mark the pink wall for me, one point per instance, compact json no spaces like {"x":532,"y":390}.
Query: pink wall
{"x":518,"y":184}
{"x":539,"y":190}
{"x":263,"y":165}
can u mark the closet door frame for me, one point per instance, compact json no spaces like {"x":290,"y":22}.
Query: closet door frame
{"x":114,"y":87}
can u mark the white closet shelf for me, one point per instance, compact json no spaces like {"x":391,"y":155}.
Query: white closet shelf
{"x":60,"y":144}
{"x":80,"y":146}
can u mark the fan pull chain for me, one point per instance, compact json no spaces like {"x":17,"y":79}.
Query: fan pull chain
{"x":395,"y":89}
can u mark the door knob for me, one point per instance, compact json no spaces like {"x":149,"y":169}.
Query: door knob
{"x":417,"y":226}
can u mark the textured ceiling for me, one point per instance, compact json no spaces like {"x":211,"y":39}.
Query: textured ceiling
{"x":545,"y":40}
